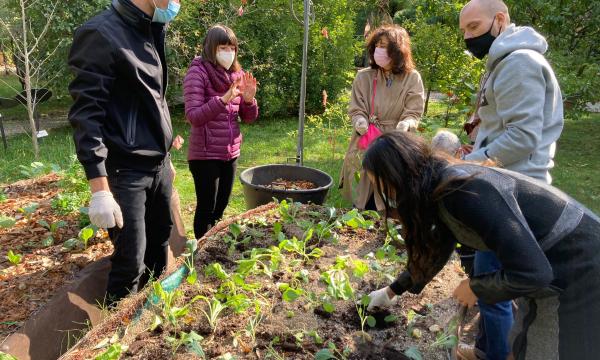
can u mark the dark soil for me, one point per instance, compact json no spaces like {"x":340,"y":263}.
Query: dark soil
{"x":300,"y":328}
{"x":281,"y":184}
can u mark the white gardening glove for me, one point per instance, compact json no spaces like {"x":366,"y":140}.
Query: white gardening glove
{"x":361,"y":125}
{"x":407,"y":125}
{"x":104,"y":211}
{"x":381,"y":299}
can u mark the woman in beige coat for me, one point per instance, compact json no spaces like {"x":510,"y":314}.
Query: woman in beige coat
{"x":390,"y":95}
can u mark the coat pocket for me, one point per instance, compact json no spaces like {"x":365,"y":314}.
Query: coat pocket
{"x":132,"y":124}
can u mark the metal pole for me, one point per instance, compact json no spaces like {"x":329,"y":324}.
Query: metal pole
{"x":301,"y":115}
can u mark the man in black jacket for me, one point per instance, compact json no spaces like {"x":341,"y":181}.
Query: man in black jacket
{"x":123,"y":134}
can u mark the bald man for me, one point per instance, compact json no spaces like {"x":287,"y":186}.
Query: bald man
{"x":521,"y":118}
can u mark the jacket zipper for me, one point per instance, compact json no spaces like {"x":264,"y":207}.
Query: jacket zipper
{"x":229,"y":117}
{"x":132,"y":124}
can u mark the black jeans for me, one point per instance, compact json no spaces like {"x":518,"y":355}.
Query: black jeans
{"x":141,"y":246}
{"x":213,"y":180}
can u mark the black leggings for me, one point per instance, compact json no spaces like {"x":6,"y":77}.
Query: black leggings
{"x":213,"y":180}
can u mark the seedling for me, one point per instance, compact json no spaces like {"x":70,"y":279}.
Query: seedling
{"x":191,"y":246}
{"x":289,"y":210}
{"x":253,"y":323}
{"x":53,"y":228}
{"x":192,"y":342}
{"x":299,"y":247}
{"x":289,"y":293}
{"x":331,"y":352}
{"x":7,"y":222}
{"x":447,"y":339}
{"x":215,"y":307}
{"x":29,"y":209}
{"x":361,"y":309}
{"x":235,"y":240}
{"x":3,"y":197}
{"x":411,"y":319}
{"x":86,"y":234}
{"x":112,"y":353}
{"x":413,"y":353}
{"x":14,"y":258}
{"x":164,"y":301}
{"x":356,"y":219}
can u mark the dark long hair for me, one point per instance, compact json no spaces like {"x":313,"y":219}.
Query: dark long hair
{"x":220,"y":35}
{"x":404,"y":164}
{"x":399,"y":48}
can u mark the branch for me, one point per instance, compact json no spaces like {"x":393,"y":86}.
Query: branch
{"x":12,"y":36}
{"x":45,"y":30}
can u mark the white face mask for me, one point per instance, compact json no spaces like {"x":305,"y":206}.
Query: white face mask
{"x":225,"y":58}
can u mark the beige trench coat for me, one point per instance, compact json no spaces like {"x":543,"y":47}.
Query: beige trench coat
{"x":403,"y":100}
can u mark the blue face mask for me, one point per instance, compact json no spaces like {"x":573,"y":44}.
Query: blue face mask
{"x":166,"y":15}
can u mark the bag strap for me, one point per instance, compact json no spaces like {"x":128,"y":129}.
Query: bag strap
{"x":373,"y":97}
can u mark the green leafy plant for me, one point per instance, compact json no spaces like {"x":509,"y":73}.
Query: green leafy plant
{"x":331,"y":352}
{"x":113,"y":352}
{"x":29,"y":210}
{"x":289,"y":293}
{"x":338,"y":281}
{"x":164,"y":303}
{"x":447,"y":339}
{"x":86,"y":234}
{"x":233,"y":241}
{"x":188,"y":261}
{"x":53,"y":227}
{"x":355,"y":219}
{"x":192,"y":342}
{"x":253,"y":323}
{"x":68,"y":203}
{"x":289,"y":210}
{"x":214,"y":309}
{"x":5,"y":356}
{"x":3,"y":196}
{"x":299,"y":247}
{"x":36,"y":169}
{"x":13,"y":257}
{"x":361,"y":309}
{"x":413,"y":353}
{"x":7,"y":222}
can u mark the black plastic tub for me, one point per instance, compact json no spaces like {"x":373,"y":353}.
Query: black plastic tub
{"x":256,"y":181}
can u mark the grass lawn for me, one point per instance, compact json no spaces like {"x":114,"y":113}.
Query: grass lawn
{"x":274,"y":141}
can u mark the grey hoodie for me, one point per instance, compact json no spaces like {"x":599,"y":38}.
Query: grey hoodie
{"x":521,"y":106}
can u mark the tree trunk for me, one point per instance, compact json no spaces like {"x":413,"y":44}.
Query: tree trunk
{"x":431,"y":81}
{"x":27,"y":80}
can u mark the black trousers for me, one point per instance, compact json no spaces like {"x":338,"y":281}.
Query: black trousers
{"x":213,"y":180}
{"x":141,"y":246}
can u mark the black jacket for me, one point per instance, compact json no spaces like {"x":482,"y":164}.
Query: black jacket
{"x":523,"y":221}
{"x":120,"y":114}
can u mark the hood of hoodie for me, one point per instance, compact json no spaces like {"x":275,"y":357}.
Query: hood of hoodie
{"x":516,"y":38}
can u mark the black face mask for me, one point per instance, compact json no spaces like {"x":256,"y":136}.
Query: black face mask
{"x":480,"y":46}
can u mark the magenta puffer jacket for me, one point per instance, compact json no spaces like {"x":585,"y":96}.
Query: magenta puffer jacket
{"x":215,"y":131}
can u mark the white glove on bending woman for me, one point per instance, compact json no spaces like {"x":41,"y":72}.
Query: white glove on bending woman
{"x":381,"y":299}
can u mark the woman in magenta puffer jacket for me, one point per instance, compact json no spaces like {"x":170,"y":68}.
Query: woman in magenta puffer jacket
{"x":216,"y":92}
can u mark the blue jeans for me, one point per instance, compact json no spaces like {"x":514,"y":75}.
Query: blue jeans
{"x":496,"y":319}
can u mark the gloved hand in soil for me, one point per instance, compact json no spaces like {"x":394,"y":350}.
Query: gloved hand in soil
{"x":104,"y":211}
{"x":382,"y":298}
{"x":361,"y":125}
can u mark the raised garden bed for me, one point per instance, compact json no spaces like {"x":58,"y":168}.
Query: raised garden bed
{"x":285,"y":281}
{"x":45,"y":245}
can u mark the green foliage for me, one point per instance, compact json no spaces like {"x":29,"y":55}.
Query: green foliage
{"x":113,"y":352}
{"x":271,"y":47}
{"x":164,"y":304}
{"x":572,"y":31}
{"x":86,"y":234}
{"x":4,"y":356}
{"x":29,"y":210}
{"x":413,"y":353}
{"x":37,"y":168}
{"x":214,"y":309}
{"x":7,"y":221}
{"x":13,"y":257}
{"x":192,"y":342}
{"x":68,"y":203}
